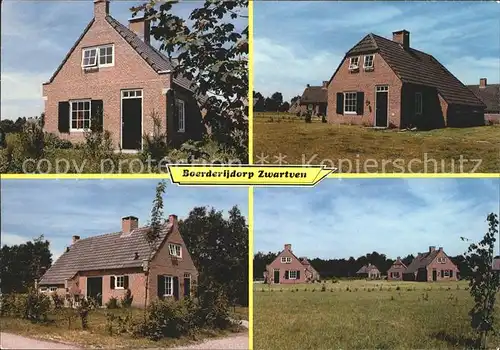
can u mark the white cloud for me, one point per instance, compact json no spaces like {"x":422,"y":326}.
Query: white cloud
{"x":13,"y":239}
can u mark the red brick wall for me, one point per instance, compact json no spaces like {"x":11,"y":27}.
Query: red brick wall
{"x":295,"y":264}
{"x":366,"y":82}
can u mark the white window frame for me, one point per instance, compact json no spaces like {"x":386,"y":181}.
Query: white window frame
{"x":97,"y":61}
{"x":353,"y":66}
{"x":418,"y":103}
{"x":175,"y":250}
{"x":169,"y":282}
{"x":44,"y":289}
{"x":290,"y":275}
{"x":355,"y":102}
{"x":370,"y":67}
{"x":286,"y":260}
{"x":180,"y":105}
{"x":52,"y":289}
{"x":120,"y":285}
{"x":71,"y":129}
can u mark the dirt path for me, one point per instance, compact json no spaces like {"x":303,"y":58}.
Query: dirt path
{"x":234,"y":342}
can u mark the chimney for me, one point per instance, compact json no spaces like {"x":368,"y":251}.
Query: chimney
{"x":288,"y":247}
{"x":402,"y":37}
{"x":482,"y":82}
{"x":308,"y":85}
{"x":101,"y":8}
{"x":399,"y":258}
{"x":325,"y":84}
{"x":129,"y":223}
{"x":432,"y":248}
{"x":75,"y":239}
{"x":440,"y":249}
{"x":140,"y":26}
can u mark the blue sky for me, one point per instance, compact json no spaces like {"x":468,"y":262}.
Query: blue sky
{"x":352,"y":217}
{"x":302,"y":42}
{"x":59,"y":209}
{"x":51,"y":28}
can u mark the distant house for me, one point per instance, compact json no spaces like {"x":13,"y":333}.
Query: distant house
{"x":315,"y":99}
{"x":433,"y":265}
{"x":387,"y":83}
{"x":287,"y":268}
{"x":106,"y":266}
{"x":490,"y":95}
{"x":369,"y":271}
{"x":297,"y":108}
{"x":395,"y":273}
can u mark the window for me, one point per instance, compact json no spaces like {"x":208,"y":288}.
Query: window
{"x":179,"y":107}
{"x":353,"y":63}
{"x":368,"y":63}
{"x":53,"y":289}
{"x":175,"y":250}
{"x":119,"y":282}
{"x":441,"y":260}
{"x":100,"y":56}
{"x":89,"y":58}
{"x":395,"y":274}
{"x":80,"y":115}
{"x":446,"y":273}
{"x":106,"y":56}
{"x":286,"y":260}
{"x":169,"y":286}
{"x":131,"y":93}
{"x":43,"y":289}
{"x":350,"y":102}
{"x":292,"y":275}
{"x":418,"y":103}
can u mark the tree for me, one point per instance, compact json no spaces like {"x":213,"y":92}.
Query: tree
{"x":277,"y":97}
{"x":152,"y":235}
{"x":259,"y":102}
{"x":219,"y":249}
{"x":285,"y":107}
{"x":484,"y":282}
{"x":214,"y":55}
{"x":294,"y":99}
{"x":22,"y":264}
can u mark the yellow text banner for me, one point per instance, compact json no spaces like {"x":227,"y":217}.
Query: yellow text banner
{"x":249,"y":175}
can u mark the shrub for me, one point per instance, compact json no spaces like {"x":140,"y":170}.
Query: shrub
{"x":308,"y":118}
{"x":127,"y":299}
{"x":323,"y":119}
{"x":112,"y":303}
{"x":57,"y":300}
{"x":155,"y":145}
{"x":54,"y":141}
{"x":33,"y":306}
{"x":397,"y":288}
{"x":98,"y":147}
{"x":83,"y":309}
{"x":323,"y":288}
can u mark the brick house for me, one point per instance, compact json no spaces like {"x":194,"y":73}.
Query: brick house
{"x":113,"y":75}
{"x":315,"y":99}
{"x":106,"y":266}
{"x":433,"y":265}
{"x":386,"y":83}
{"x":490,"y":95}
{"x":369,"y":271}
{"x":395,"y":272}
{"x":287,"y":268}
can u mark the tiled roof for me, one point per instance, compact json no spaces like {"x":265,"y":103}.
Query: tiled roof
{"x":108,"y":251}
{"x":314,"y":94}
{"x":421,"y":261}
{"x":398,"y":265}
{"x":367,"y":269}
{"x":490,"y":95}
{"x":416,"y":67}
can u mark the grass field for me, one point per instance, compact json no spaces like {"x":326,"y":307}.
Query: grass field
{"x":364,"y":314}
{"x":366,"y":150}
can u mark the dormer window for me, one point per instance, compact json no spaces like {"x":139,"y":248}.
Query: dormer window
{"x":368,"y":63}
{"x":353,"y":63}
{"x":286,"y":260}
{"x":175,"y":250}
{"x":100,"y":56}
{"x":441,"y":260}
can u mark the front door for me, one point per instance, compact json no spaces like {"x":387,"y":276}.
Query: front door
{"x":131,"y":119}
{"x":277,"y":276}
{"x":187,"y":284}
{"x":94,"y":289}
{"x":381,"y":106}
{"x":434,"y":275}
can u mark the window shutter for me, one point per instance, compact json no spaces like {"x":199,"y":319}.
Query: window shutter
{"x":160,"y":286}
{"x":451,"y":273}
{"x":112,"y":282}
{"x":442,"y":273}
{"x":125,"y":282}
{"x":63,"y":117}
{"x":298,"y":275}
{"x":360,"y":102}
{"x":287,"y":273}
{"x":176,"y":287}
{"x":340,"y":103}
{"x":97,"y":114}
{"x":171,"y":110}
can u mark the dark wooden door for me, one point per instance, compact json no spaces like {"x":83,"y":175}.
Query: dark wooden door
{"x":132,"y":123}
{"x":276,"y":276}
{"x":434,"y":275}
{"x":187,"y":286}
{"x":381,"y":109}
{"x":94,"y":289}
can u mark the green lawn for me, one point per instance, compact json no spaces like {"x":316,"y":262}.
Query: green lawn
{"x":364,"y":315}
{"x":356,"y":149}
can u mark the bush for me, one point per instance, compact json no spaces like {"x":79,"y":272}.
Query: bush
{"x":32,"y":306}
{"x":127,"y":299}
{"x":54,"y":141}
{"x":112,"y":303}
{"x":57,"y":300}
{"x":98,"y":147}
{"x":155,"y":146}
{"x":308,"y":118}
{"x":323,"y":119}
